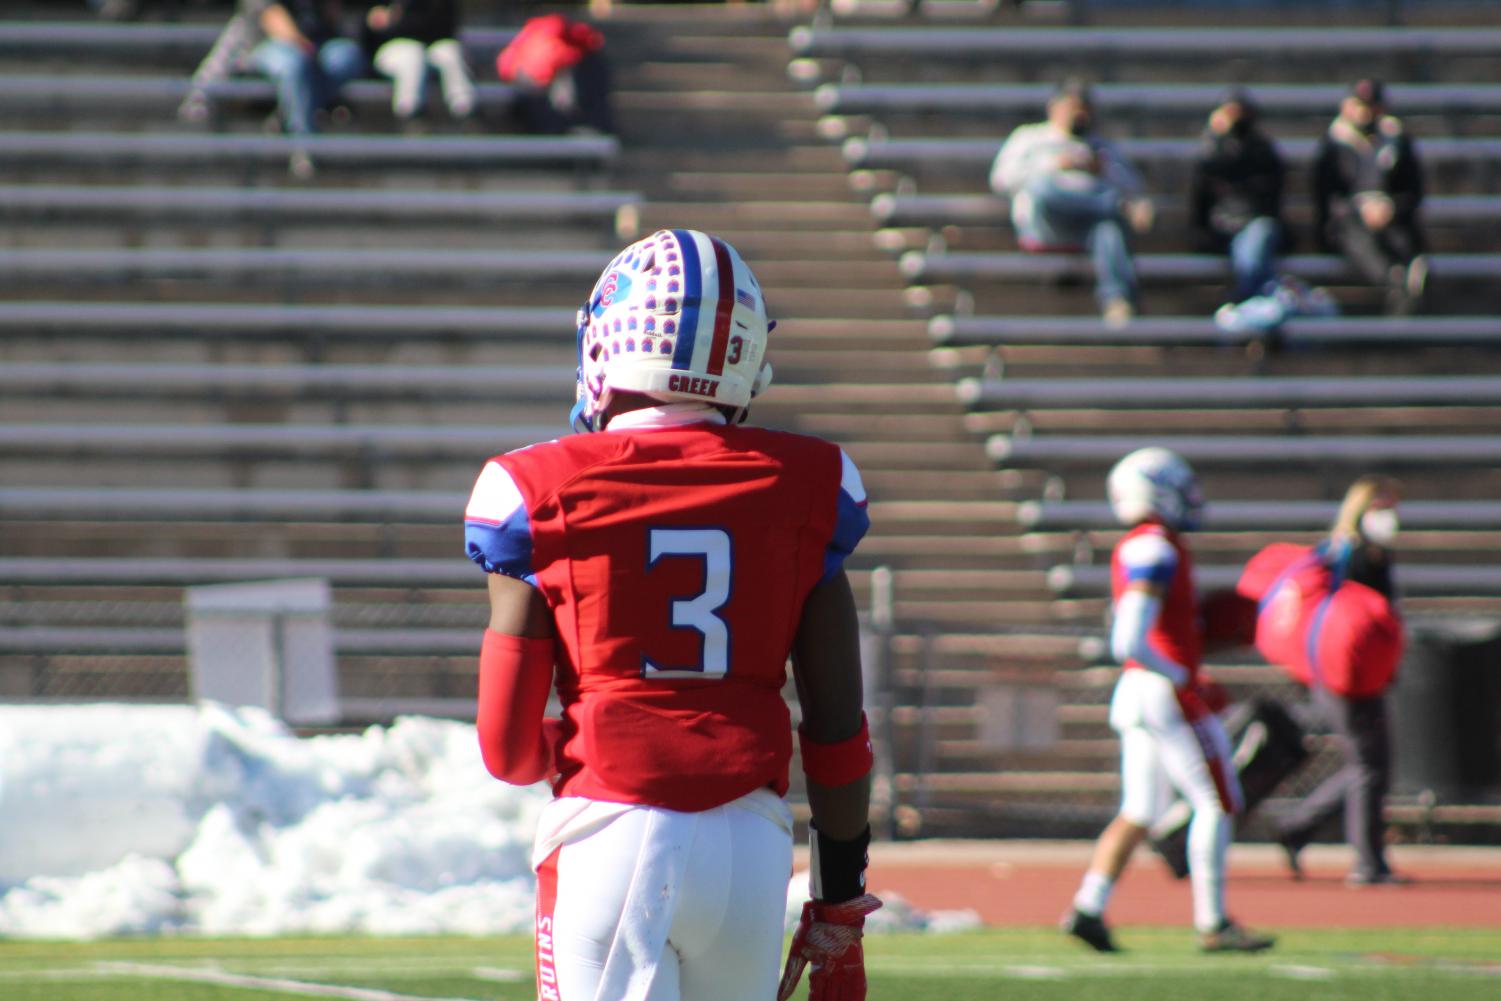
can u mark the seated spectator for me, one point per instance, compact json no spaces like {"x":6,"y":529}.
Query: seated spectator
{"x":303,"y":50}
{"x":1367,"y":185}
{"x":559,"y":67}
{"x":408,"y":40}
{"x":1235,"y":202}
{"x":1071,"y":189}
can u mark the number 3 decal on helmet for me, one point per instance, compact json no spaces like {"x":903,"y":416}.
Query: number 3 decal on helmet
{"x":677,"y":317}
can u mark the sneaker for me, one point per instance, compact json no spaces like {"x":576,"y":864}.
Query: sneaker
{"x":1231,"y":937}
{"x":300,"y":166}
{"x":1089,"y":929}
{"x":1383,"y":878}
{"x":1416,"y":281}
{"x":1292,"y":848}
{"x":1118,"y":313}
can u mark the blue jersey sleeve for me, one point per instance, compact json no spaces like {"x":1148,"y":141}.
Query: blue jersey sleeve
{"x":497,"y":531}
{"x":851,"y":521}
{"x":1149,"y":558}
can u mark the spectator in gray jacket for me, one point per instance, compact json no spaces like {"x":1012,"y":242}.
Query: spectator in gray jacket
{"x":1071,"y":189}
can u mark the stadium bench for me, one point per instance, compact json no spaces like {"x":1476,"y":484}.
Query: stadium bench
{"x":919,"y":267}
{"x":182,"y":149}
{"x":1256,"y":515}
{"x":338,"y":265}
{"x":994,"y":210}
{"x":148,"y":639}
{"x":268,"y":440}
{"x":378,"y":205}
{"x":1416,"y":579}
{"x":1122,"y":100}
{"x":185,"y":504}
{"x":159,"y":96}
{"x":1190,"y":331}
{"x":496,"y":383}
{"x":970,"y":155}
{"x":98,"y":41}
{"x":1151,"y":44}
{"x":1252,"y":450}
{"x":184,"y":571}
{"x":48,"y":319}
{"x":1287,"y":392}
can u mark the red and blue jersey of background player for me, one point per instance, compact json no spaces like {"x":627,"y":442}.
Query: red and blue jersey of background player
{"x":676,"y":560}
{"x":1153,"y":553}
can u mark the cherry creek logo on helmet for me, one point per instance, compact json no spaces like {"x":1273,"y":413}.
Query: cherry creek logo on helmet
{"x":614,"y":286}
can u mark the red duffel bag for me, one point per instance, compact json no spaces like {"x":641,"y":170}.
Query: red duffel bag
{"x":1336,"y":633}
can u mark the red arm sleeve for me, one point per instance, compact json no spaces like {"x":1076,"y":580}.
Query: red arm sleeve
{"x":515,"y":678}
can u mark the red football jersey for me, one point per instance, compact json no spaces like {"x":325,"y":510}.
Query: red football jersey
{"x":676,"y":562}
{"x":1152,"y":552}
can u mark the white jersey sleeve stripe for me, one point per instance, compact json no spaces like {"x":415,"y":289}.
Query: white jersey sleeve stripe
{"x":849,"y":479}
{"x":495,"y":497}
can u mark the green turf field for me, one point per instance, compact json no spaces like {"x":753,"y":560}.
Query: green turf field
{"x":1455,"y":965}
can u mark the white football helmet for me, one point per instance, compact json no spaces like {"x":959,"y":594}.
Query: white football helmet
{"x":1154,"y":483}
{"x":677,"y":317}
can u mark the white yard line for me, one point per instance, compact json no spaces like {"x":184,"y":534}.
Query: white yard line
{"x":1296,"y":972}
{"x":226,"y":979}
{"x":499,"y":974}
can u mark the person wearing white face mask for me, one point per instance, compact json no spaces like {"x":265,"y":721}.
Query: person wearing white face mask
{"x":1358,"y":549}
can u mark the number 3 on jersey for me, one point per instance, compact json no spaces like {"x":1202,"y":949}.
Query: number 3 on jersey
{"x":699,"y":612}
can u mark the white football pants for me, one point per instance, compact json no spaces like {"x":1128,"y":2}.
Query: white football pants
{"x":1160,"y":752}
{"x":637,"y":903}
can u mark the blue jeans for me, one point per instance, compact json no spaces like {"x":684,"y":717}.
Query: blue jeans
{"x":307,"y":82}
{"x":1090,"y":217}
{"x":1253,"y":256}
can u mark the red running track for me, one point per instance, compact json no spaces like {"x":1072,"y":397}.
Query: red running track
{"x":1032,"y":883}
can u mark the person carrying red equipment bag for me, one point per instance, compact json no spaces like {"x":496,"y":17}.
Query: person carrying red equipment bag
{"x":1326,"y":614}
{"x":1321,"y":628}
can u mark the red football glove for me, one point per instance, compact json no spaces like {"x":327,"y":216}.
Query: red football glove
{"x":828,"y":936}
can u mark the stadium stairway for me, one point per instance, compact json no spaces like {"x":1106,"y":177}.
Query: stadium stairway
{"x":1056,"y":393}
{"x":200,"y":391}
{"x":327,"y":423}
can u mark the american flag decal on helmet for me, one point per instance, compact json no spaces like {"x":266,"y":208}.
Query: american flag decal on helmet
{"x":746,"y":299}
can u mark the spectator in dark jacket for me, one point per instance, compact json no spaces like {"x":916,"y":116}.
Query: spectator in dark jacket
{"x":1368,"y":184}
{"x":1235,"y":203}
{"x":407,"y":39}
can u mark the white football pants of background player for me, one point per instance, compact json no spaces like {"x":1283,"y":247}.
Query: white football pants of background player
{"x":1162,"y":751}
{"x":637,"y":903}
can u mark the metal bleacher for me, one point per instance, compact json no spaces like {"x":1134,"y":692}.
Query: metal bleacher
{"x":210,"y":371}
{"x":1277,"y":421}
{"x":214,"y":371}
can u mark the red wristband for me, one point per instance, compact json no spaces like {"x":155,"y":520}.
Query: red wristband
{"x":839,"y":763}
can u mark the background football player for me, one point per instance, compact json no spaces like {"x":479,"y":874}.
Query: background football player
{"x":1170,"y":738}
{"x":656,"y":574}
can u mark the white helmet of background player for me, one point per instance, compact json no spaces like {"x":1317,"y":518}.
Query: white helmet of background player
{"x":1154,"y":483}
{"x":677,"y":317}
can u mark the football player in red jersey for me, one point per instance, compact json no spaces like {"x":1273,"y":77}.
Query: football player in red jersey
{"x":1170,"y":739}
{"x":656,"y":574}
